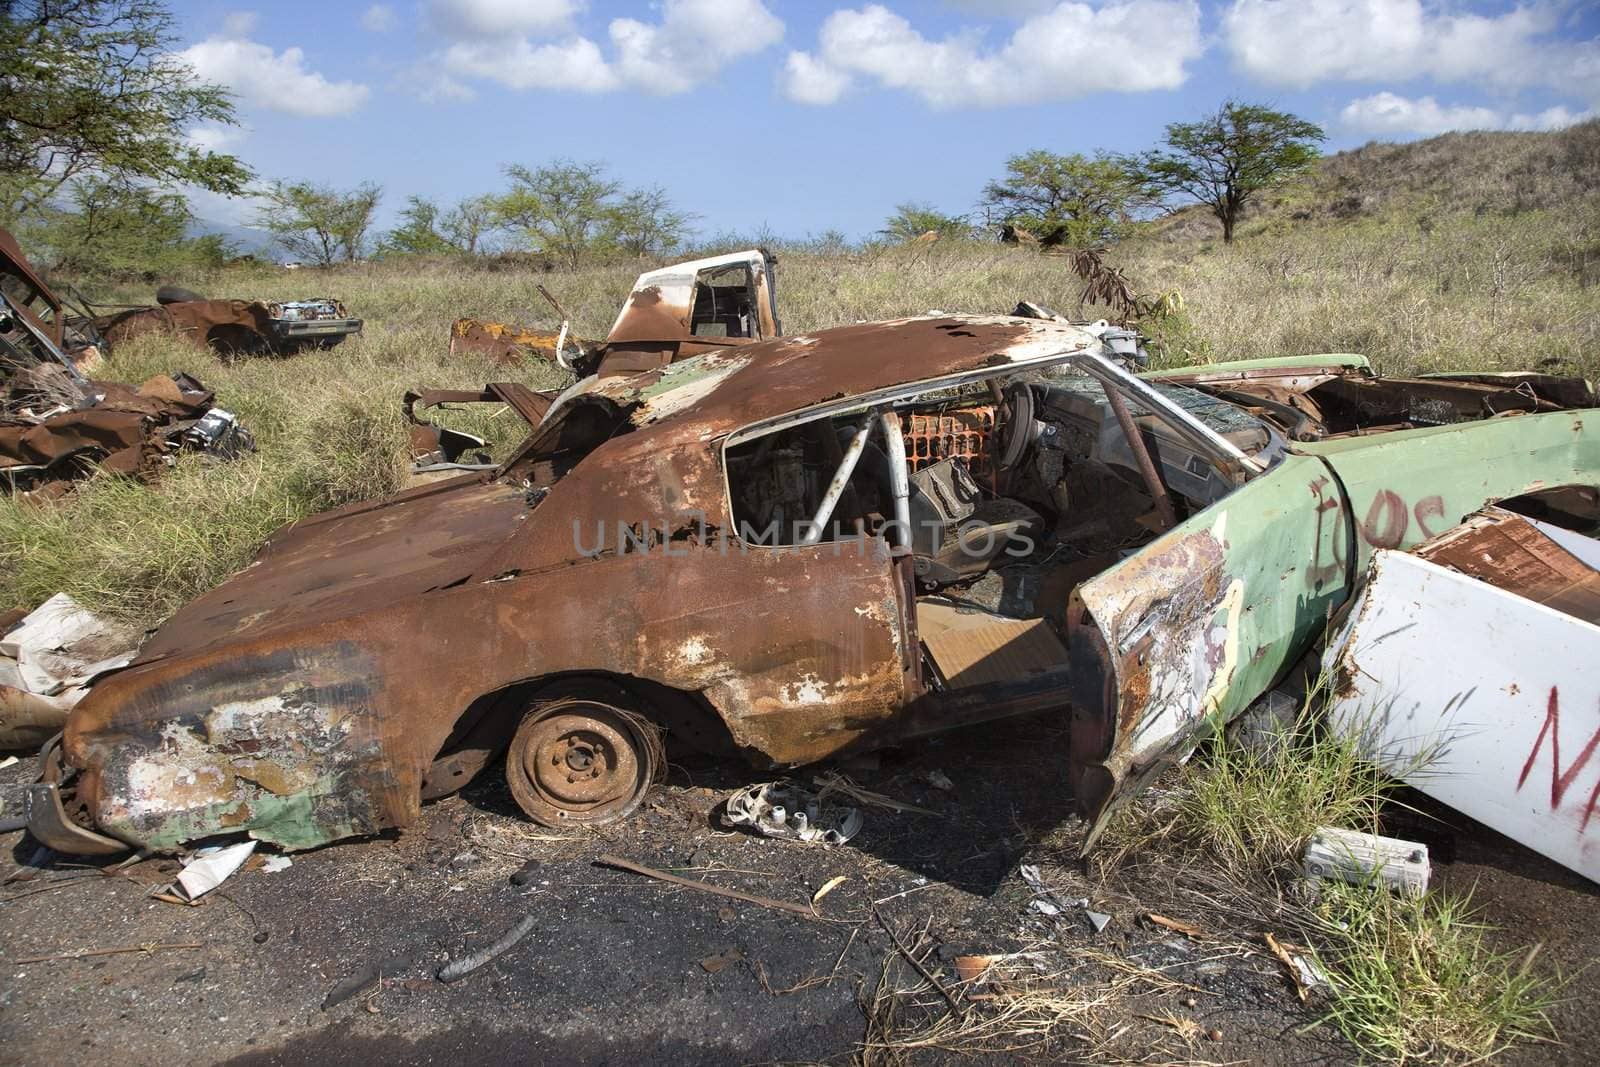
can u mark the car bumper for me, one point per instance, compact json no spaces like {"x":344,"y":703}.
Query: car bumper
{"x":296,"y":331}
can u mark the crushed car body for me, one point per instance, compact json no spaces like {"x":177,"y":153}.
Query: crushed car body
{"x":229,"y":327}
{"x":794,"y":548}
{"x":237,"y":327}
{"x":58,"y":425}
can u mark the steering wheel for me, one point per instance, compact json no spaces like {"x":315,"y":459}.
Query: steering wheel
{"x":1016,"y":430}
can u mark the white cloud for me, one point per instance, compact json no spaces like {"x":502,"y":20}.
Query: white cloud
{"x":1390,"y":114}
{"x":278,"y":81}
{"x":238,"y":23}
{"x":1071,"y":50}
{"x":1551,"y":118}
{"x":379,"y":18}
{"x":499,"y":18}
{"x":1002,"y":8}
{"x":1297,"y":43}
{"x":1387,"y":113}
{"x":693,"y":35}
{"x":693,"y":40}
{"x":574,"y":64}
{"x":808,"y":80}
{"x":213,"y":138}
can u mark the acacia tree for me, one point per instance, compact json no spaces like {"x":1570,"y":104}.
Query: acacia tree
{"x":911,"y":220}
{"x":93,"y":87}
{"x":425,"y":229}
{"x":1223,"y":160}
{"x":319,"y":223}
{"x":643,"y":222}
{"x":563,"y":207}
{"x":1077,"y":200}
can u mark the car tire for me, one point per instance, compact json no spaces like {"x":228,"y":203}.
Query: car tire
{"x":574,"y":760}
{"x":176,"y":294}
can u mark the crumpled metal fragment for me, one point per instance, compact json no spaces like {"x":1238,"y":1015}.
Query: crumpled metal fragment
{"x":779,"y":809}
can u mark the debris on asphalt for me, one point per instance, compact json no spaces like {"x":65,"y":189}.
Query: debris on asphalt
{"x":917,"y":964}
{"x":715,"y":963}
{"x":1188,"y":930}
{"x":85,"y":953}
{"x":940,"y":780}
{"x":1362,"y":859}
{"x":274,"y":864}
{"x":833,"y":782}
{"x":971,"y":968}
{"x":1052,"y":905}
{"x":526,"y":873}
{"x":46,"y":663}
{"x":829,"y":886}
{"x":211,"y":866}
{"x":459,"y":969}
{"x":781,"y":809}
{"x":1304,"y":975}
{"x":717,"y":890}
{"x":366,"y":978}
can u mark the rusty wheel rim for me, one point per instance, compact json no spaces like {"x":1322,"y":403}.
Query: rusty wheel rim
{"x":579,"y":761}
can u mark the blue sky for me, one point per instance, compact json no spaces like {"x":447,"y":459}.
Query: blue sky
{"x":810,"y":116}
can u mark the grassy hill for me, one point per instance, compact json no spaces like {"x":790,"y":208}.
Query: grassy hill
{"x":1469,"y":250}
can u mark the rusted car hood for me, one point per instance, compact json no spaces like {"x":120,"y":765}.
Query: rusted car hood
{"x":355,"y":560}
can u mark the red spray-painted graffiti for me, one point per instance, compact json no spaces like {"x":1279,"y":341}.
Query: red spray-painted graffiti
{"x":1388,"y":519}
{"x":1560,"y":779}
{"x":1325,"y":569}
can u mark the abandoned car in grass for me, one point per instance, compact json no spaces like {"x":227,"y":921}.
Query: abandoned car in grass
{"x":795,"y":548}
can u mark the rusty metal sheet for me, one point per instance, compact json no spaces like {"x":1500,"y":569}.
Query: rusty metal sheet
{"x":1470,"y":668}
{"x":508,"y":344}
{"x":192,"y":320}
{"x":121,"y":429}
{"x":1507,"y":551}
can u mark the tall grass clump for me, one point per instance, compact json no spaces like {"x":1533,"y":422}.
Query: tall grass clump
{"x":1411,"y":977}
{"x":1415,"y":978}
{"x":1254,"y":806}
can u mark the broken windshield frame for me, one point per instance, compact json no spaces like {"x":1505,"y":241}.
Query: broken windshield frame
{"x":1228,"y":459}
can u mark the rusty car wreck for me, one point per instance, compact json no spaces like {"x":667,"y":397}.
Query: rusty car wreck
{"x":58,"y":425}
{"x":234,"y":328}
{"x":230,"y":328}
{"x":796,"y":547}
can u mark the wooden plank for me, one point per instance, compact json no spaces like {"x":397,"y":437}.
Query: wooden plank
{"x":1508,"y":552}
{"x":970,"y":653}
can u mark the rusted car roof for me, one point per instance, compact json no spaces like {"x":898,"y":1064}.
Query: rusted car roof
{"x":723,"y":391}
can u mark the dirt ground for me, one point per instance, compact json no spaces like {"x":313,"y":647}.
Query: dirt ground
{"x":620,"y":969}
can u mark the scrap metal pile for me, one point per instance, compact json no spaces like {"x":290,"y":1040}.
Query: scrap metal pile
{"x":58,"y":425}
{"x":792,"y":548}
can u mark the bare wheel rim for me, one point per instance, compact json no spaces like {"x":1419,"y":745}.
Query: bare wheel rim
{"x":580,"y":761}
